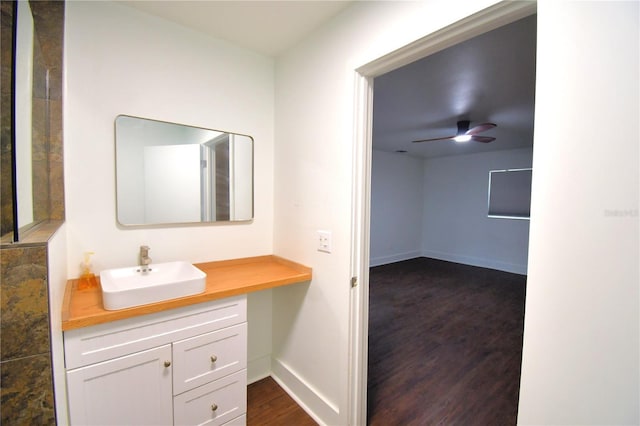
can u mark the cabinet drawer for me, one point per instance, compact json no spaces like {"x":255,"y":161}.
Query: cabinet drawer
{"x":101,"y":342}
{"x":208,"y":357}
{"x":238,"y":421}
{"x":212,"y":404}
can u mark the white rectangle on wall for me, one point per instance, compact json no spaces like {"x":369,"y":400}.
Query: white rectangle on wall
{"x":172,"y":183}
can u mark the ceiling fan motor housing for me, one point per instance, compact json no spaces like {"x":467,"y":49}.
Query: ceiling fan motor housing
{"x":463,"y":127}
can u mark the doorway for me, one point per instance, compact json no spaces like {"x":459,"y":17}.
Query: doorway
{"x":480,"y":23}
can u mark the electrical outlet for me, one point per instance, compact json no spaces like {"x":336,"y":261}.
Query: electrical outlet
{"x":324,"y":241}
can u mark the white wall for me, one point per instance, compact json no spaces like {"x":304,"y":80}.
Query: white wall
{"x":438,"y":208}
{"x":581,"y":338}
{"x":121,"y":61}
{"x":56,"y":281}
{"x":396,"y":207}
{"x":315,"y":89}
{"x":456,"y":227}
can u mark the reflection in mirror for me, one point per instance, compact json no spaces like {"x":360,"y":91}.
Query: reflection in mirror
{"x":169,"y":173}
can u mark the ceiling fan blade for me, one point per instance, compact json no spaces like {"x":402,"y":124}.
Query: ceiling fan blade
{"x":480,"y":128}
{"x":434,"y":139}
{"x":483,"y":139}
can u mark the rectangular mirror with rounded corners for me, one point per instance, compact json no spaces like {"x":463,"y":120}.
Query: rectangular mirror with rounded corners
{"x":168,"y":173}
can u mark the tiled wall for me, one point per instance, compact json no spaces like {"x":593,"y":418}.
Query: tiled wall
{"x":26,"y":388}
{"x":47,"y":158}
{"x":25,"y":356}
{"x":47,"y":166}
{"x":6,"y":64}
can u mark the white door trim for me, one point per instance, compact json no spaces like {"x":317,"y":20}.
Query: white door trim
{"x":361,"y":213}
{"x":486,"y":20}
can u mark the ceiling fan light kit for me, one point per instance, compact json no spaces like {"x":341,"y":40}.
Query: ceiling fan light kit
{"x":465,"y":134}
{"x":462,"y":138}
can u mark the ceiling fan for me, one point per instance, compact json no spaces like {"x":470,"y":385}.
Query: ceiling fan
{"x":466,"y":134}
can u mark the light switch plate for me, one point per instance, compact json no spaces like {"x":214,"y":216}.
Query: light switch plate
{"x":324,"y":241}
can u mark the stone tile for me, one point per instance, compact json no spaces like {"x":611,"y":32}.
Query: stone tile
{"x":47,"y":146}
{"x":24,"y":302}
{"x":55,"y":130}
{"x":39,"y":71}
{"x":39,"y":145}
{"x":48,"y":17}
{"x":41,"y":196}
{"x":56,"y":183}
{"x":6,"y":36}
{"x":26,"y":395}
{"x":6,"y":201}
{"x":6,"y":64}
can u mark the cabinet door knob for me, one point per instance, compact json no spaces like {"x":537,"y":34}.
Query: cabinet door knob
{"x":167,"y":363}
{"x":214,"y":407}
{"x":214,"y":358}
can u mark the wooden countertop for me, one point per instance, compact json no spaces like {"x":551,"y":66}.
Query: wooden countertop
{"x":83,"y":308}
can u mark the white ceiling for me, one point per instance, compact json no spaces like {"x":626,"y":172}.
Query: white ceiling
{"x":490,"y":78}
{"x":267,"y":27}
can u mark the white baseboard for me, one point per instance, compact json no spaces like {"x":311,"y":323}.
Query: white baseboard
{"x":258,"y":368}
{"x":476,"y":261}
{"x":384,"y":260}
{"x":311,"y":401}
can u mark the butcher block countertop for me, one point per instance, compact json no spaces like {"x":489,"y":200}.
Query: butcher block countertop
{"x":83,"y":308}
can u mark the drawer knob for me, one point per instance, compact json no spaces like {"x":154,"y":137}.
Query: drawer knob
{"x":214,"y":358}
{"x":167,"y":363}
{"x":214,"y":407}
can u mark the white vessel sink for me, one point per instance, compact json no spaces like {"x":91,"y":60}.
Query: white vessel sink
{"x":129,"y":287}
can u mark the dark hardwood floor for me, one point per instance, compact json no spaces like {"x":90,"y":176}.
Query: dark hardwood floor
{"x":445,"y":344}
{"x":269,"y":405}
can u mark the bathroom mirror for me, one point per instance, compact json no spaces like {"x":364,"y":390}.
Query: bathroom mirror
{"x":168,"y":173}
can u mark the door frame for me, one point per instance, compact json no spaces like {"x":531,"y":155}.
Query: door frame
{"x":481,"y":22}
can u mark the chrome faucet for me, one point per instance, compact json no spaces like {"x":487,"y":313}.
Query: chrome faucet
{"x":145,"y":260}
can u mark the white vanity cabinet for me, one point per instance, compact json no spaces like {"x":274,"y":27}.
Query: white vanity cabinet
{"x":182,"y":366}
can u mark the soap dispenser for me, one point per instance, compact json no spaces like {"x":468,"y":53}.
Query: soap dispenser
{"x":87,"y":278}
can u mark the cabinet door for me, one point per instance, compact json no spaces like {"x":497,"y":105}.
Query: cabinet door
{"x":130,"y":390}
